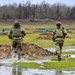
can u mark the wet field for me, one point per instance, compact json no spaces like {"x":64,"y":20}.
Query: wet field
{"x":15,"y":70}
{"x":65,"y":49}
{"x":7,"y":68}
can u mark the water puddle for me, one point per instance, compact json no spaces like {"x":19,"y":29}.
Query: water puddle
{"x":65,"y":49}
{"x":7,"y":68}
{"x":11,"y":61}
{"x":10,"y":70}
{"x":4,"y":70}
{"x":38,"y":72}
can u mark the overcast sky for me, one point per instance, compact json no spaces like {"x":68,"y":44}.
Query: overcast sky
{"x":67,"y":2}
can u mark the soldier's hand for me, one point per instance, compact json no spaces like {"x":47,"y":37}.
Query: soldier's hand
{"x":10,"y":37}
{"x":53,"y":38}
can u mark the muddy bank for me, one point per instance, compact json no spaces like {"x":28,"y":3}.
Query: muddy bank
{"x":45,"y":36}
{"x":28,"y":50}
{"x":48,"y":36}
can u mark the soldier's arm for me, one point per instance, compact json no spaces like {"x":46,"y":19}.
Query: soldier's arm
{"x":54,"y":33}
{"x":65,"y":33}
{"x":10,"y":34}
{"x":53,"y":37}
{"x":23,"y":32}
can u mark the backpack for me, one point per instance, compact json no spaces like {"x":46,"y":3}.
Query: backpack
{"x":16,"y":32}
{"x":59,"y":32}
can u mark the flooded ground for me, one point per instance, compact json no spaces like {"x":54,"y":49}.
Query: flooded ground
{"x":10,"y":70}
{"x":7,"y":68}
{"x":65,"y":49}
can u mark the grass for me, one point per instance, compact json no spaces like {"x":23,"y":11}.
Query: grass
{"x":47,"y":65}
{"x":66,"y":63}
{"x":4,"y":39}
{"x":71,"y":59}
{"x":69,"y":42}
{"x":29,"y":65}
{"x":29,"y":38}
{"x":70,"y":52}
{"x":58,"y":65}
{"x":32,"y":38}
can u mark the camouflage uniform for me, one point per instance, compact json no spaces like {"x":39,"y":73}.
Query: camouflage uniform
{"x":16,"y":34}
{"x":59,"y":35}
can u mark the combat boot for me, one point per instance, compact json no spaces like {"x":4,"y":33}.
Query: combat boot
{"x":59,"y":57}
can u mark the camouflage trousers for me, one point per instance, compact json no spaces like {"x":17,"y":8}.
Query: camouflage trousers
{"x":17,"y":45}
{"x":58,"y":46}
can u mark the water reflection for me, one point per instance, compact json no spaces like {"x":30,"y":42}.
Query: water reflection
{"x":19,"y":71}
{"x":65,"y":49}
{"x":16,"y":70}
{"x":59,"y":72}
{"x":38,"y":72}
{"x":5,"y":70}
{"x":9,"y":70}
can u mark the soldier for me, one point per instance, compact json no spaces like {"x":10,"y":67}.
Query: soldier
{"x":59,"y":35}
{"x":16,"y":34}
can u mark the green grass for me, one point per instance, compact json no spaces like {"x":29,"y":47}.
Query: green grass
{"x":4,"y":39}
{"x":58,"y":65}
{"x":29,"y":65}
{"x":29,"y":38}
{"x":69,"y":42}
{"x":54,"y":58}
{"x":47,"y":65}
{"x":71,"y":59}
{"x":70,"y":52}
{"x":32,"y":38}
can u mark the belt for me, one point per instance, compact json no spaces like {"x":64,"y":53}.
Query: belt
{"x":59,"y":36}
{"x":16,"y":38}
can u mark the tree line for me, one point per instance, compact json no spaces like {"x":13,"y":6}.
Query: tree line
{"x":37,"y":11}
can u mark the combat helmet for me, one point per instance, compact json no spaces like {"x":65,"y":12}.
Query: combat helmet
{"x":16,"y":24}
{"x":58,"y":23}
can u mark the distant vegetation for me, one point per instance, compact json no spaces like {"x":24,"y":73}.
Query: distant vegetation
{"x":36,"y":11}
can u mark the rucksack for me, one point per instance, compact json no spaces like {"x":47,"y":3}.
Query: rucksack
{"x":16,"y":32}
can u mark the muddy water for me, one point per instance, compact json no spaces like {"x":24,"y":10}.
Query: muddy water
{"x":8,"y":69}
{"x":65,"y":49}
{"x":5,"y":70}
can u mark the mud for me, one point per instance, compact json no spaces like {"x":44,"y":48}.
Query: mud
{"x":48,"y":36}
{"x":28,"y":50}
{"x":45,"y":36}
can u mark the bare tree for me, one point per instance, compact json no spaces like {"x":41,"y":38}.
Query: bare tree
{"x":41,"y":11}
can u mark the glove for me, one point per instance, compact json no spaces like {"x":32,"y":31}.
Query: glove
{"x":53,"y":38}
{"x":9,"y":36}
{"x":64,"y":35}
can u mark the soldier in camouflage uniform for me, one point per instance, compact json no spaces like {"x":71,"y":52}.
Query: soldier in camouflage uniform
{"x":16,"y":34}
{"x":59,"y":35}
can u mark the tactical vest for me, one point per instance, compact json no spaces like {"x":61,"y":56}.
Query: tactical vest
{"x":16,"y":32}
{"x":59,"y":33}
